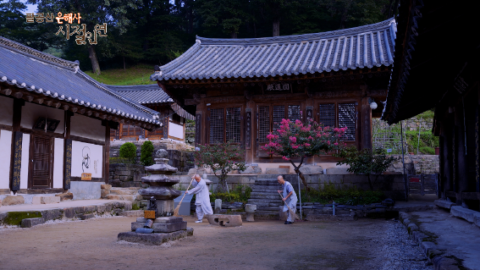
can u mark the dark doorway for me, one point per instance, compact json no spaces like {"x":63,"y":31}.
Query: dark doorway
{"x":41,"y":162}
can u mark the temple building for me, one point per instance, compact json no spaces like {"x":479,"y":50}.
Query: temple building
{"x":435,"y":71}
{"x":240,"y":89}
{"x":172,"y":116}
{"x":55,"y":124}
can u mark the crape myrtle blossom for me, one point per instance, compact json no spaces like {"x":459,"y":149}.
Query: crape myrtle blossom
{"x":296,"y":140}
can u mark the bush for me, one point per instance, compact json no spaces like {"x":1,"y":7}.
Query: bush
{"x":146,"y":153}
{"x":350,"y":196}
{"x":128,"y":150}
{"x":240,"y":193}
{"x":427,"y":150}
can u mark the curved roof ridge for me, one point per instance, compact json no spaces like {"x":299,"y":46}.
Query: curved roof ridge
{"x":38,"y":55}
{"x":297,"y":38}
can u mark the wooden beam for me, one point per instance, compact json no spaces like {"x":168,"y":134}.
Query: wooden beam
{"x":29,"y":98}
{"x":74,"y":109}
{"x":6,"y":92}
{"x":65,"y":107}
{"x":57,"y":105}
{"x":39,"y":100}
{"x":18,"y":94}
{"x":106,"y":169}
{"x":49,"y":102}
{"x":89,"y":113}
{"x":82,"y":111}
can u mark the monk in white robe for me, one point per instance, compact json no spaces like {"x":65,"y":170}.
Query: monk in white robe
{"x":202,"y":201}
{"x":289,"y":196}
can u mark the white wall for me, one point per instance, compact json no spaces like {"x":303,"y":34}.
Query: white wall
{"x":87,"y":127}
{"x":175,"y":130}
{"x":6,"y":111}
{"x":95,"y":163}
{"x":25,"y":161}
{"x":5,"y":150}
{"x":31,"y":112}
{"x":58,"y":163}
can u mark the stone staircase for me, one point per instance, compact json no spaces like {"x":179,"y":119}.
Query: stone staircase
{"x":265,"y":196}
{"x":128,"y":194}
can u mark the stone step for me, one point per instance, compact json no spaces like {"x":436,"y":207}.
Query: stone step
{"x":263,"y":201}
{"x":266,"y":188}
{"x":124,"y":197}
{"x":275,"y":209}
{"x":124,"y":191}
{"x":267,"y":176}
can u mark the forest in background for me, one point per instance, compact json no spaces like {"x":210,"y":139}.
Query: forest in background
{"x":155,"y":32}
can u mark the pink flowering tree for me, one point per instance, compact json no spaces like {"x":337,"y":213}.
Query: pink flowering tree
{"x":222,"y":158}
{"x":294,"y":140}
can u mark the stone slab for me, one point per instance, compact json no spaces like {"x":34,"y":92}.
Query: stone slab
{"x":13,"y":200}
{"x":168,"y":220}
{"x":65,"y":196}
{"x":460,"y":212}
{"x":50,"y":199}
{"x":30,"y":222}
{"x":162,"y":227}
{"x":132,"y":213}
{"x":225,"y":220}
{"x":444,"y":204}
{"x":37,"y":200}
{"x":86,"y":216}
{"x":153,"y":238}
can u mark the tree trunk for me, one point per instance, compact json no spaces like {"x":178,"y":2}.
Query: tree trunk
{"x":93,"y":58}
{"x":276,"y":27}
{"x":370,"y":183}
{"x":297,"y":170}
{"x":233,"y":34}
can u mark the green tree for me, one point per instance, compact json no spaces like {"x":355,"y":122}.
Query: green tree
{"x":222,"y":158}
{"x":146,"y":153}
{"x":112,"y":12}
{"x":366,"y":162}
{"x":223,"y":16}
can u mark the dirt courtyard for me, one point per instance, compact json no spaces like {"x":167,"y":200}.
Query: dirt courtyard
{"x":92,"y":244}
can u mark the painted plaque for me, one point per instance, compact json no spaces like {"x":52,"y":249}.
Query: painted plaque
{"x":68,"y":164}
{"x":198,"y":129}
{"x":248,"y":129}
{"x":17,"y":160}
{"x":149,"y":214}
{"x":86,"y":176}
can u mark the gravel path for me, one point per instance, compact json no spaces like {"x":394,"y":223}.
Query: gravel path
{"x":365,"y":244}
{"x":397,"y":251}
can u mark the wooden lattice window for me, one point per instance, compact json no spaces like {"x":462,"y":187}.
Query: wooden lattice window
{"x":217,"y":122}
{"x":131,"y":130}
{"x":294,"y":113}
{"x":278,"y":115}
{"x":327,"y":115}
{"x":347,"y":117}
{"x":263,"y":123}
{"x":232,"y":124}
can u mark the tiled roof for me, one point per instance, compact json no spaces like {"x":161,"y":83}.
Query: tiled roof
{"x":142,"y":94}
{"x":149,"y":94}
{"x":45,"y":74}
{"x":360,"y":47}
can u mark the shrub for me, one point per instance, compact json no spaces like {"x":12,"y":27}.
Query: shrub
{"x":128,"y":150}
{"x":427,"y":150}
{"x":146,"y":153}
{"x":351,"y":196}
{"x":240,"y":193}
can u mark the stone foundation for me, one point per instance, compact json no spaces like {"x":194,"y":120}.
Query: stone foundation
{"x":154,"y":238}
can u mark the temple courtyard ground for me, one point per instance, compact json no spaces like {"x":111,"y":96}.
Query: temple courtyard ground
{"x":92,"y":244}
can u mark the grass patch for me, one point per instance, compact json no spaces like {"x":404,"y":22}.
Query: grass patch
{"x":347,"y":196}
{"x":136,"y":75}
{"x":15,"y":218}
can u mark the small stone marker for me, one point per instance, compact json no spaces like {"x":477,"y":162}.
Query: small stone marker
{"x":250,"y":209}
{"x":30,"y":222}
{"x":225,"y":220}
{"x":218,"y":206}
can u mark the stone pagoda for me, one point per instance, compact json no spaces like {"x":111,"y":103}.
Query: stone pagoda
{"x":163,"y":226}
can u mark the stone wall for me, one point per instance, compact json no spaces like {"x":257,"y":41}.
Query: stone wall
{"x":391,"y":184}
{"x":180,"y":154}
{"x":126,"y":175}
{"x":416,"y":164}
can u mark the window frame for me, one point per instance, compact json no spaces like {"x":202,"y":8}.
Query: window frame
{"x":225,"y":106}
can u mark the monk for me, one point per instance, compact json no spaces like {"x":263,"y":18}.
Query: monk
{"x":202,"y":202}
{"x":289,"y":196}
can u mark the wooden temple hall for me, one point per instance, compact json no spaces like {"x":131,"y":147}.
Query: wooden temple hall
{"x":240,"y":89}
{"x":55,"y":124}
{"x":434,"y":72}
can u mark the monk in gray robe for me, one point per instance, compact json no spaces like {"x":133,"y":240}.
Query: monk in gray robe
{"x":289,"y":196}
{"x":202,"y":194}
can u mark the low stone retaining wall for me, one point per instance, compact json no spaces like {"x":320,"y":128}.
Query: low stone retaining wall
{"x":391,"y":184}
{"x":126,"y":175}
{"x":70,"y":213}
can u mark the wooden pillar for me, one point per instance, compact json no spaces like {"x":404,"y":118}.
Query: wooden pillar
{"x":106,"y":172}
{"x":365,"y":124}
{"x":200,"y":115}
{"x":67,"y":151}
{"x":17,"y":137}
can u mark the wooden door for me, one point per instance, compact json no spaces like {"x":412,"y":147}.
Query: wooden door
{"x":41,"y":162}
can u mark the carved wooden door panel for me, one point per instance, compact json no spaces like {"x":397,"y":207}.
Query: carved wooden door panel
{"x":41,"y":162}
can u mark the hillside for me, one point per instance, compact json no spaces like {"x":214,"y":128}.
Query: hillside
{"x":139,"y":74}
